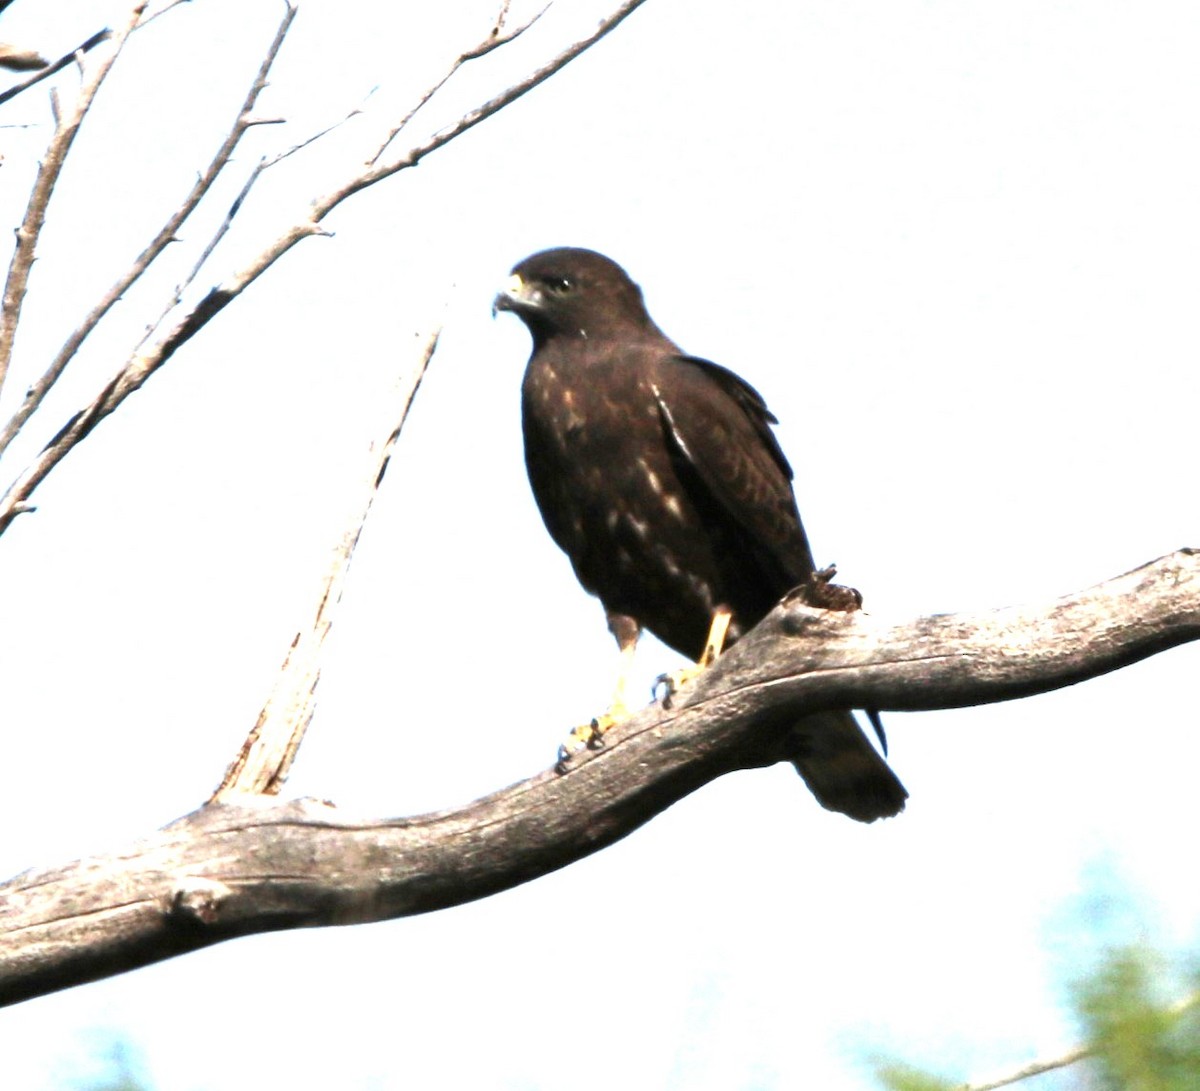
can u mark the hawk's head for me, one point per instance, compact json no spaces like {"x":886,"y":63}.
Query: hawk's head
{"x":569,"y":292}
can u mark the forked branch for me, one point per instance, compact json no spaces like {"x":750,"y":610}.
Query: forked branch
{"x":245,"y":120}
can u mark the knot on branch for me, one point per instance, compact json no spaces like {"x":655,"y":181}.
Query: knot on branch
{"x":198,"y":901}
{"x":818,"y":605}
{"x":820,"y":591}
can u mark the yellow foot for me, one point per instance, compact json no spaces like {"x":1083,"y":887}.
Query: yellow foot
{"x":590,"y":736}
{"x":669,"y":684}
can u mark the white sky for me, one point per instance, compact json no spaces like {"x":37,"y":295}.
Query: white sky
{"x":953,"y":243}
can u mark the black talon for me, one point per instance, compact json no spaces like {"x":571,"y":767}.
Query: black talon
{"x":667,"y":685}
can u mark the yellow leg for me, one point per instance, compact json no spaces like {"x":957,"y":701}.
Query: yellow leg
{"x":718,"y":630}
{"x":591,"y":734}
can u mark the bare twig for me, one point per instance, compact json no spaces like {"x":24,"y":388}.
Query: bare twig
{"x":35,"y":213}
{"x":245,"y":120}
{"x":1038,"y":1068}
{"x":263,"y":165}
{"x":116,"y":390}
{"x":144,"y":364}
{"x":278,"y":157}
{"x":474,"y":117}
{"x":1074,"y":1056}
{"x":57,"y":66}
{"x":495,"y":38}
{"x":177,"y":296}
{"x":162,"y":11}
{"x":266,"y":757}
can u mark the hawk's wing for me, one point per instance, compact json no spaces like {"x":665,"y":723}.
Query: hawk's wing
{"x":719,"y":429}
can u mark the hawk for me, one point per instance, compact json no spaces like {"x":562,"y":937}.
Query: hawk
{"x":660,"y":477}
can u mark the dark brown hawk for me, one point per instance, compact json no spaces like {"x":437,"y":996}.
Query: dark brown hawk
{"x":659,"y":475}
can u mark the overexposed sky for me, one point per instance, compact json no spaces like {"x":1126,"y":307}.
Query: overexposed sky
{"x":954,"y":245}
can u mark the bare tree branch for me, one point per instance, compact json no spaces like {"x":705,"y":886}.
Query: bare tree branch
{"x":57,"y":66}
{"x":262,"y":766}
{"x":35,"y":213}
{"x":496,"y":37}
{"x":245,"y":120}
{"x":263,"y":165}
{"x":469,"y":120}
{"x":227,"y":871}
{"x":145,"y":362}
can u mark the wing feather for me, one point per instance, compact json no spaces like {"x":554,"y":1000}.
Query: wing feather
{"x":720,"y":427}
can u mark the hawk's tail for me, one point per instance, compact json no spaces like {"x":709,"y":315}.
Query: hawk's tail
{"x":842,"y":769}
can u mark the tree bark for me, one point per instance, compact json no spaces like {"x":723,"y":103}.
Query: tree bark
{"x":231,"y":870}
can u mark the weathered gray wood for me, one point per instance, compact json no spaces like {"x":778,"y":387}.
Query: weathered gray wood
{"x":231,"y":870}
{"x":265,"y":759}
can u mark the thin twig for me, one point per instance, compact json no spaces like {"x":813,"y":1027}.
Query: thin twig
{"x":495,"y":38}
{"x":57,"y":66}
{"x":47,"y":176}
{"x":264,"y":164}
{"x":161,"y":12}
{"x":1031,"y":1070}
{"x":322,"y":206}
{"x":37,"y":390}
{"x":1074,"y":1056}
{"x":266,"y":757}
{"x":144,"y":364}
{"x":205,"y":254}
{"x":278,"y":157}
{"x":469,"y":120}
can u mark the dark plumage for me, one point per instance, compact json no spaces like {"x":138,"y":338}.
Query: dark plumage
{"x":659,"y":476}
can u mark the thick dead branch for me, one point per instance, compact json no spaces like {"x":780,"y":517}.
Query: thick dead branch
{"x":266,"y":757}
{"x":227,"y":871}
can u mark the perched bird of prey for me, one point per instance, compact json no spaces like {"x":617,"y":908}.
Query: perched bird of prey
{"x":660,"y":477}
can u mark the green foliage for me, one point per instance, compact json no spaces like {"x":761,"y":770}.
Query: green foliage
{"x":897,"y":1076}
{"x":1140,"y":1042}
{"x":1136,"y":1037}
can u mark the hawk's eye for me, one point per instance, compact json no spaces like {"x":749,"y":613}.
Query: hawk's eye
{"x":559,"y":285}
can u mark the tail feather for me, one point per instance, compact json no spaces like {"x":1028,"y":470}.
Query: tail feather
{"x":842,"y":769}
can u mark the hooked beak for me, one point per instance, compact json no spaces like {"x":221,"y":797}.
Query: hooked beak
{"x":516,"y":295}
